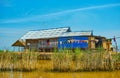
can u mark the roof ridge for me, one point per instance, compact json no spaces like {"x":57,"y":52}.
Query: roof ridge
{"x":50,"y":29}
{"x":77,"y":31}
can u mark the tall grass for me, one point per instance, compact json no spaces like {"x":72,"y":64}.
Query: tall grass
{"x":62,"y":60}
{"x":83,"y":60}
{"x":116,"y":60}
{"x":18,"y":61}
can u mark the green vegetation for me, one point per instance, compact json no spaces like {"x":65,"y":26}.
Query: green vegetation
{"x":5,"y":51}
{"x":1,"y":51}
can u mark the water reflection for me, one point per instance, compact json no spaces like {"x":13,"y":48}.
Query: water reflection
{"x":40,"y":74}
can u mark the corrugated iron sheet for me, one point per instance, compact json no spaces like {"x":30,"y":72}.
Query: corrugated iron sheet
{"x":83,"y":33}
{"x":50,"y":33}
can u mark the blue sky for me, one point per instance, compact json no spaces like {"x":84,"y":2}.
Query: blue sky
{"x":19,"y":16}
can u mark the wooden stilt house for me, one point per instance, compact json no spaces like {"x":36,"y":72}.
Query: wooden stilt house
{"x":49,"y":39}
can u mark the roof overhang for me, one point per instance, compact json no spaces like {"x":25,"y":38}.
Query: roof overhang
{"x":19,"y":43}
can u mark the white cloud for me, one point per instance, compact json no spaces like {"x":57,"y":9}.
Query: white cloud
{"x":38,"y":17}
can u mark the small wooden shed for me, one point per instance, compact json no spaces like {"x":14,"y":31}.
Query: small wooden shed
{"x":20,"y":44}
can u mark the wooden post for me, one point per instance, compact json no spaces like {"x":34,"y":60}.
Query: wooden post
{"x":18,"y":48}
{"x":13,"y":49}
{"x":116,"y":47}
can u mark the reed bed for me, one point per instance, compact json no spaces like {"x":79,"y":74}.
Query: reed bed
{"x":18,"y":61}
{"x":87,"y":60}
{"x":61,"y":61}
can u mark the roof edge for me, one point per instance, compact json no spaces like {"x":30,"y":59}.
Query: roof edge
{"x":50,"y":28}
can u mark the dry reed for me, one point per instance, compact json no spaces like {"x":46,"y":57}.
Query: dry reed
{"x":87,"y":60}
{"x":18,"y":61}
{"x":63,"y":61}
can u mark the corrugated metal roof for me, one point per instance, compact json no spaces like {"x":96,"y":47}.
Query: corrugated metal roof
{"x":52,"y":33}
{"x":82,"y":33}
{"x":49,"y":33}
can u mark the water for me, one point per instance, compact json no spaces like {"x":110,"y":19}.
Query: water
{"x":41,"y":74}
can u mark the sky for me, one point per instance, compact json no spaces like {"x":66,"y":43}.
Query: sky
{"x":19,"y":16}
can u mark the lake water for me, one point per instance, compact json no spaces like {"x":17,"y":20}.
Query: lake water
{"x":41,"y":74}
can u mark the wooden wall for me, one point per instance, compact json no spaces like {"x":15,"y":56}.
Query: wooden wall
{"x":48,"y":45}
{"x":44,"y":45}
{"x":91,"y":42}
